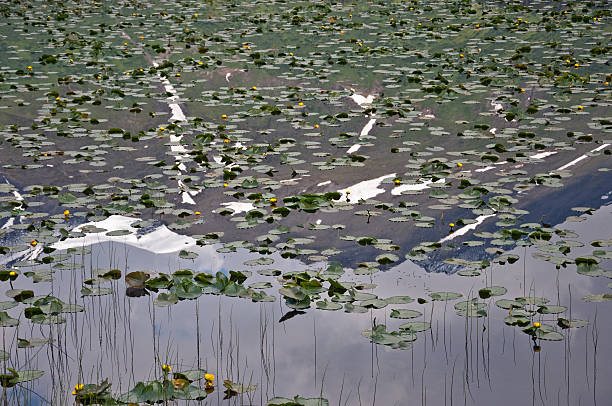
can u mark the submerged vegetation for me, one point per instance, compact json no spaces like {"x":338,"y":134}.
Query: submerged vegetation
{"x":354,"y":170}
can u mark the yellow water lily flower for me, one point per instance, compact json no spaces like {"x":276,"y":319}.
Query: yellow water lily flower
{"x":537,"y":325}
{"x":66,"y":212}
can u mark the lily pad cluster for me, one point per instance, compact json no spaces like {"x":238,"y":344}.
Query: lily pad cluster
{"x":347,"y":136}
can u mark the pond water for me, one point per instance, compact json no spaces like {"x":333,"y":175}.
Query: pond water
{"x":317,"y":203}
{"x":460,"y":359}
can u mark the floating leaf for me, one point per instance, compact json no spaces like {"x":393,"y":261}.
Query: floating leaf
{"x":136,"y":279}
{"x":166,"y":299}
{"x":325,"y":305}
{"x":404,"y":314}
{"x":445,"y":296}
{"x":7,"y":321}
{"x":415,"y":326}
{"x":237,"y":388}
{"x":32,"y":342}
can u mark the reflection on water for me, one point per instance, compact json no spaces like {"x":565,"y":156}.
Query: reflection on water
{"x":460,"y":360}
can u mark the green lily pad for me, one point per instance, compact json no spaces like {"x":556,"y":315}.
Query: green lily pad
{"x":415,"y":326}
{"x":7,"y":321}
{"x":445,"y":296}
{"x":325,"y":305}
{"x":405,"y":314}
{"x":166,"y":299}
